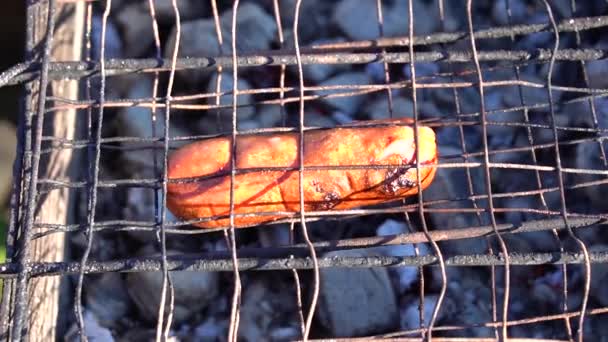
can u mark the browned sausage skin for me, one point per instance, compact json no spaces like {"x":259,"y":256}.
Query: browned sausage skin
{"x":278,"y":190}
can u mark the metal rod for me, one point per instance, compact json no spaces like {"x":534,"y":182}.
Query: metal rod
{"x":180,"y":263}
{"x":20,"y":308}
{"x":115,"y":67}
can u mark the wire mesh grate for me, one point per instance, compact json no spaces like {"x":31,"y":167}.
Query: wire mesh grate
{"x":506,"y":243}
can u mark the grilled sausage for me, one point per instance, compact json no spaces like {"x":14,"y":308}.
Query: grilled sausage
{"x":261,"y":190}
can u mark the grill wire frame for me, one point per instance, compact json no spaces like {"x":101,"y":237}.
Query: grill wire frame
{"x":40,"y":70}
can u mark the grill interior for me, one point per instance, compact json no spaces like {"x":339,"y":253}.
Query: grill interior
{"x":506,"y":243}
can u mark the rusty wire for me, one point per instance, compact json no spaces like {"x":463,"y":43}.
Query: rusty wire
{"x":488,"y":177}
{"x":33,"y":143}
{"x":93,"y":159}
{"x":425,"y":229}
{"x":236,"y":295}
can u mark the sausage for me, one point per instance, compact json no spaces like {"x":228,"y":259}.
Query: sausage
{"x":261,"y":190}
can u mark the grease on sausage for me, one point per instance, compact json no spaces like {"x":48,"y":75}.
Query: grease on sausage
{"x":278,"y":190}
